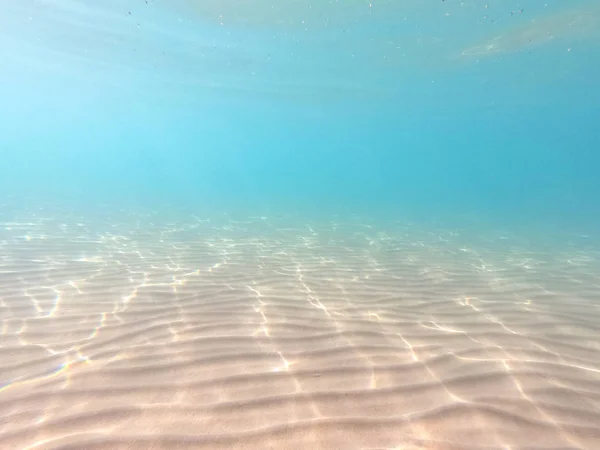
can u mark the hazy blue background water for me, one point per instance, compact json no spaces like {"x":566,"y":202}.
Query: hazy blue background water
{"x":486,"y":109}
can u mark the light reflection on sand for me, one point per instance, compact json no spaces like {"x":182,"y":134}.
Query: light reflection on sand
{"x":221,"y":333}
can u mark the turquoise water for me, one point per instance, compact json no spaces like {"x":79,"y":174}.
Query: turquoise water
{"x":294,"y":224}
{"x":450,"y":108}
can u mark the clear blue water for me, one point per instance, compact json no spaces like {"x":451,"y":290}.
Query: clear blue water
{"x":450,"y":108}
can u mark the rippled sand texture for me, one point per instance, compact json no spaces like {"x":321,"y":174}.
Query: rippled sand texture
{"x":256,"y":334}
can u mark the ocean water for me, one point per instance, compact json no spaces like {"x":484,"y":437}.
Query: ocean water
{"x":293,"y":224}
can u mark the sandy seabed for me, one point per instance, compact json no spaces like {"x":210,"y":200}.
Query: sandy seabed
{"x":267,"y":333}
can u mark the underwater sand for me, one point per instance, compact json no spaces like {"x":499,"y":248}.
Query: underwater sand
{"x":270,"y":333}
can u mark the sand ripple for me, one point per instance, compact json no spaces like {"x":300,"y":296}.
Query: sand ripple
{"x":268,"y":334}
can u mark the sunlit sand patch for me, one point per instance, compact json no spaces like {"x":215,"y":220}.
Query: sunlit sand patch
{"x":225,"y":334}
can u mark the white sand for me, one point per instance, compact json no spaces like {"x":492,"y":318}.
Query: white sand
{"x":260,"y":335}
